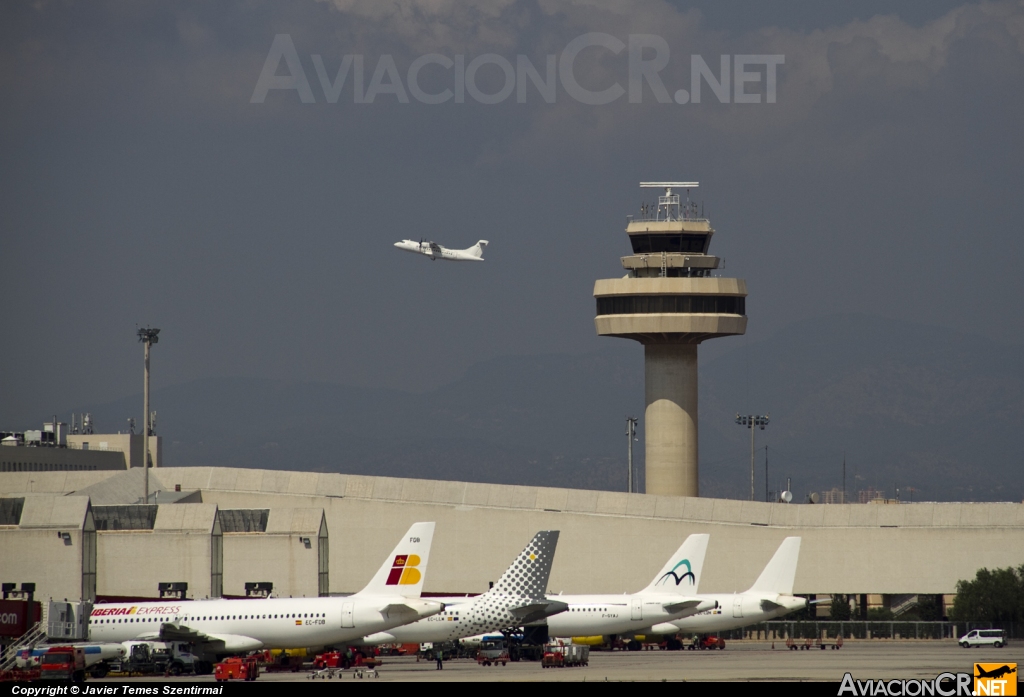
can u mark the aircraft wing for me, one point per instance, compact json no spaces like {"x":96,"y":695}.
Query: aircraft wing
{"x":231,"y":643}
{"x":531,"y":612}
{"x":435,"y":247}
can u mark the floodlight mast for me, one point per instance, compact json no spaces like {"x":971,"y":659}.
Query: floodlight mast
{"x":147,"y":336}
{"x":751,"y":421}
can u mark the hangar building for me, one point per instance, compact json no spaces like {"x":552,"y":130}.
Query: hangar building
{"x":611,"y":542}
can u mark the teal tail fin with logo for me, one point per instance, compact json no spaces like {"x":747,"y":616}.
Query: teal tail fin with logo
{"x":682,"y":572}
{"x":780,"y":572}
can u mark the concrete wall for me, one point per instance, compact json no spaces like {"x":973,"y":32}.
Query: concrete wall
{"x":29,"y":483}
{"x":611,"y":542}
{"x":277,"y":555}
{"x":179,"y":548}
{"x":35,"y":552}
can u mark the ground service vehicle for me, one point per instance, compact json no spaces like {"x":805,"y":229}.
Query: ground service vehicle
{"x":493,"y":650}
{"x":708,"y":641}
{"x":64,"y":663}
{"x":237,"y":669}
{"x":559,"y":655}
{"x":983,"y":637}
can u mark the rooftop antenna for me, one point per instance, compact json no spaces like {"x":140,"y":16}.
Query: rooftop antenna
{"x":670,"y":200}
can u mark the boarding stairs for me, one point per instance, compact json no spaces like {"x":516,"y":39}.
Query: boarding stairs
{"x":36,"y":635}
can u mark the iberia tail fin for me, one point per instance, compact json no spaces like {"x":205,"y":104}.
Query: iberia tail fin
{"x":403,"y":571}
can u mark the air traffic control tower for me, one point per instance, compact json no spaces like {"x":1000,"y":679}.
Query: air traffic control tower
{"x":670,"y":302}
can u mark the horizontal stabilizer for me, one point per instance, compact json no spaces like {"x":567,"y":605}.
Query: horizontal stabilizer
{"x":537,"y":611}
{"x":674,"y":607}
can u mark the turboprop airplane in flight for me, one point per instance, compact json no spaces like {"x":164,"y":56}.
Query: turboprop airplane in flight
{"x":218,"y":627}
{"x":435,"y":251}
{"x":670,"y":595}
{"x":771,"y":596}
{"x":516,"y":599}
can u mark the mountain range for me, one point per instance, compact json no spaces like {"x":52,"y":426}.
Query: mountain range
{"x":922,"y":409}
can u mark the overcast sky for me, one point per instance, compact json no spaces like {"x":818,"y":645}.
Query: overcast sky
{"x":145,"y":177}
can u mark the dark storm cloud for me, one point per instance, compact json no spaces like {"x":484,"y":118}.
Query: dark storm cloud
{"x":139,"y":183}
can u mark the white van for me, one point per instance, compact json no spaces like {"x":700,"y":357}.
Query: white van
{"x":983,"y":637}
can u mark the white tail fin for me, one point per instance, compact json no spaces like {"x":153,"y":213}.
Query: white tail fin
{"x":528,"y":575}
{"x":778,"y":575}
{"x":682,"y":572}
{"x":477,"y":249}
{"x":402,"y":573}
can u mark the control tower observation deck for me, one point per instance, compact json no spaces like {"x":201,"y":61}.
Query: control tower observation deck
{"x":670,"y":302}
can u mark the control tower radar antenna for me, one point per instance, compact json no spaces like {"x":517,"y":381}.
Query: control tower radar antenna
{"x":669,"y":203}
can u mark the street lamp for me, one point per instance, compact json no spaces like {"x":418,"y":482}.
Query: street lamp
{"x":750,"y":421}
{"x":148,"y":337}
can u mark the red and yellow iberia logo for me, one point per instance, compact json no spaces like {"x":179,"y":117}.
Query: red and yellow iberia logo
{"x":995,"y":679}
{"x":404,"y":571}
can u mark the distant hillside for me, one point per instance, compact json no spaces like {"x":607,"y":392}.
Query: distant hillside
{"x":909,"y":405}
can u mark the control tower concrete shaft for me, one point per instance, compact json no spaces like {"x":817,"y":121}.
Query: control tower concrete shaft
{"x":669,"y":301}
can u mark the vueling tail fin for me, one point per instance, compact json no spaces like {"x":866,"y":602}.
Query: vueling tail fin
{"x":682,"y":572}
{"x":402,"y":573}
{"x":528,"y":575}
{"x":477,"y":249}
{"x":778,"y":575}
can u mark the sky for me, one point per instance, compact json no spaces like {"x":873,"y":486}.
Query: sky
{"x":199,"y":167}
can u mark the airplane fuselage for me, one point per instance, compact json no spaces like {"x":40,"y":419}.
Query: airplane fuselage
{"x":433,"y":250}
{"x":735,"y":610}
{"x":250,"y":624}
{"x":590,"y":615}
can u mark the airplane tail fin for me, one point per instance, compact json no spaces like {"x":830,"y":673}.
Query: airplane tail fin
{"x":402,"y":573}
{"x":477,"y":249}
{"x":682,"y":572}
{"x":528,"y":575}
{"x":780,"y":571}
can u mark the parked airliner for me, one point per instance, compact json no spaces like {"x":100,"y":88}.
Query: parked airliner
{"x":670,"y":595}
{"x":218,"y":627}
{"x":435,"y":251}
{"x":771,"y":596}
{"x":516,"y":598}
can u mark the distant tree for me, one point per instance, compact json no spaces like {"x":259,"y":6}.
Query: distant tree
{"x":993,"y":596}
{"x":840,"y":609}
{"x":879,"y":614}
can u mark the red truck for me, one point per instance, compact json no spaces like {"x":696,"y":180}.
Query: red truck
{"x":65,"y":663}
{"x":237,"y":669}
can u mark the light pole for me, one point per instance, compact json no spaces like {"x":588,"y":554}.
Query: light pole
{"x":750,"y":421}
{"x":148,"y":337}
{"x":631,"y":437}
